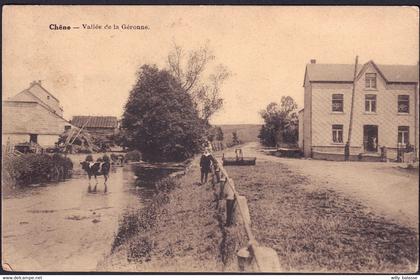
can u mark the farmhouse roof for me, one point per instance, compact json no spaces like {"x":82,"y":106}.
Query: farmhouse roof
{"x":95,"y":121}
{"x":344,"y":72}
{"x":18,"y":118}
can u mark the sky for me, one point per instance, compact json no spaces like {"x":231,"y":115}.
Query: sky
{"x":266,"y":49}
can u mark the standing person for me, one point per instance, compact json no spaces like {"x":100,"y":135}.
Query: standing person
{"x":205,"y":163}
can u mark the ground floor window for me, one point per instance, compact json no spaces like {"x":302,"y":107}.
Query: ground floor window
{"x":403,"y":134}
{"x":337,"y":133}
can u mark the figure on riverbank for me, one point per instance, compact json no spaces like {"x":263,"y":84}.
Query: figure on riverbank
{"x":100,"y":167}
{"x":205,"y":165}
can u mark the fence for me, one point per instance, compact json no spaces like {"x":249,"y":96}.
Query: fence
{"x":217,"y":145}
{"x":264,"y":258}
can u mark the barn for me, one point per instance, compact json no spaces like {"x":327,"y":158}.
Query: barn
{"x":97,"y":125}
{"x":33,"y":115}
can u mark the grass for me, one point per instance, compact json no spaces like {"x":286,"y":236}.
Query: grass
{"x":178,"y":231}
{"x":317,"y":230}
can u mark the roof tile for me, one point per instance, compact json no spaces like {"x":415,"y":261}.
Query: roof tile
{"x":345,"y":72}
{"x":95,"y":121}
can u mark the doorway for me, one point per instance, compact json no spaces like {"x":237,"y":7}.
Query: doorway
{"x":370,"y":138}
{"x":33,"y":138}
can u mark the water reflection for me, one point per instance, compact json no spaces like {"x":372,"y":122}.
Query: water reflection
{"x":94,"y":189}
{"x":141,"y":180}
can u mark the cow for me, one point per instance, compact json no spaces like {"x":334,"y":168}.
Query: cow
{"x":98,"y":168}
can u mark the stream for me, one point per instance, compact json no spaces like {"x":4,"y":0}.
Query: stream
{"x":70,"y":225}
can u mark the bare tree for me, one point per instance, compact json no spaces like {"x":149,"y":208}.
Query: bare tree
{"x":190,"y":68}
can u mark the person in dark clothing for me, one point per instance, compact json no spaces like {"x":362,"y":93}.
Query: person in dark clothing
{"x":205,"y":165}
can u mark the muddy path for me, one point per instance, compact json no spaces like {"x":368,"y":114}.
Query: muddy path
{"x":68,"y":226}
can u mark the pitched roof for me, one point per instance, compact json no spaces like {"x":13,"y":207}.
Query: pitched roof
{"x":29,"y":95}
{"x":95,"y":121}
{"x":345,"y":72}
{"x":19,"y":117}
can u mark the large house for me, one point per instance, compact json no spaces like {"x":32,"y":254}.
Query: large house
{"x":385,"y":113}
{"x":33,"y":115}
{"x":97,"y":125}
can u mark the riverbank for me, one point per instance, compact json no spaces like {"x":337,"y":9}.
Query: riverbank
{"x":178,"y":232}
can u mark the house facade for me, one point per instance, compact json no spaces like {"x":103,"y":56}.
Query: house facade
{"x":97,"y":125}
{"x":33,"y":115}
{"x":384,"y":116}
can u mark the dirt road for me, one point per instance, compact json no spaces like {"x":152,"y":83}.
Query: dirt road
{"x":67,"y":226}
{"x":384,"y":188}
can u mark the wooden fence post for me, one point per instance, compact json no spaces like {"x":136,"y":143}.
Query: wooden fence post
{"x":222,"y":188}
{"x":230,"y":206}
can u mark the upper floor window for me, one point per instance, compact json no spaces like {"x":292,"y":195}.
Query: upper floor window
{"x":48,"y":97}
{"x":403,"y":103}
{"x":403,"y":134}
{"x":370,"y":80}
{"x":337,"y":133}
{"x":337,"y":102}
{"x":370,"y":103}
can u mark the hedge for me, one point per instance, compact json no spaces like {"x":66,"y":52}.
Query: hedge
{"x":36,"y":168}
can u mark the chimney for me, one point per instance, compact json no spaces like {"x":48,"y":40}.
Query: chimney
{"x":313,"y":61}
{"x":35,"y":83}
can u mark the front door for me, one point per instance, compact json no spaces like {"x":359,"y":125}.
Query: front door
{"x":370,"y":138}
{"x":33,"y":138}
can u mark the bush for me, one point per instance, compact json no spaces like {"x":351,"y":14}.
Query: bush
{"x":133,"y":156}
{"x":36,"y":168}
{"x":167,"y":184}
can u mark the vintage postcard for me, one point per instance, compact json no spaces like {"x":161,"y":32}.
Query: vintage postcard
{"x":205,"y":139}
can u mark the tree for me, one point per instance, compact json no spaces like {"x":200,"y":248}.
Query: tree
{"x":215,"y":133}
{"x":159,"y":118}
{"x":280,"y":123}
{"x":219,"y":133}
{"x":189,"y":67}
{"x":235,"y":138}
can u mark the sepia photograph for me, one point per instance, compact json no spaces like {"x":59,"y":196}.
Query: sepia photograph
{"x":210,"y":139}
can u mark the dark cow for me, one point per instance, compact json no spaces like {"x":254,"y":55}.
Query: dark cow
{"x":96,"y":169}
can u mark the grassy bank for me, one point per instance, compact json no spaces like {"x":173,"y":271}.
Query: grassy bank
{"x":178,"y":231}
{"x":318,"y":230}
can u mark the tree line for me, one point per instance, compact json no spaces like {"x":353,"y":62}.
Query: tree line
{"x":280,"y":123}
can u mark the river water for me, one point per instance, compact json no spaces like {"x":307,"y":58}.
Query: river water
{"x":67,"y":226}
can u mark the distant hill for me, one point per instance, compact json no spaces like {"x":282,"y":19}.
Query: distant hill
{"x":246,"y":132}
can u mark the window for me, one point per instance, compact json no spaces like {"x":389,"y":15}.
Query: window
{"x":403,"y":103}
{"x":370,"y":103}
{"x":48,"y":97}
{"x":403,"y":134}
{"x":337,"y":133}
{"x":370,"y":79}
{"x":337,"y":102}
